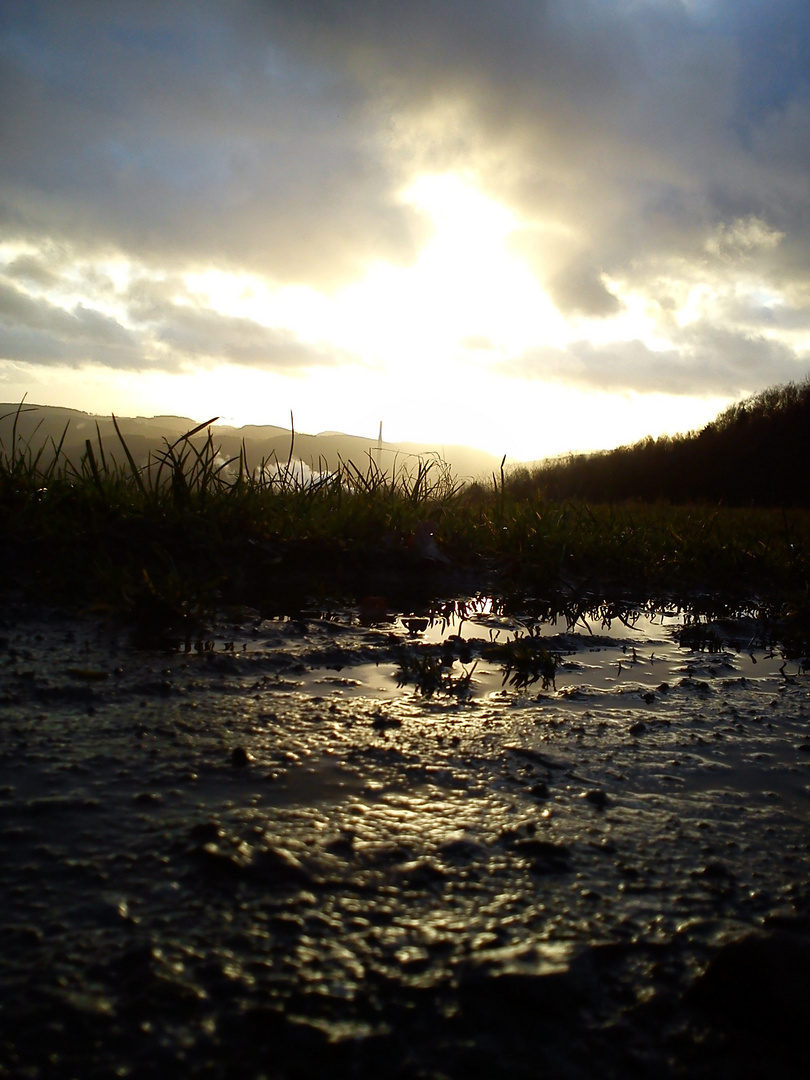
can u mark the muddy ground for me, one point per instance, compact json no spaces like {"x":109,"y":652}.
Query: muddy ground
{"x":264,"y":857}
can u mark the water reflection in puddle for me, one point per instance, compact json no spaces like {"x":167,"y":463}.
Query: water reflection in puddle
{"x":618,"y":650}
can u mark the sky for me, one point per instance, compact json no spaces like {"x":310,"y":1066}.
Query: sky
{"x":530,"y":226}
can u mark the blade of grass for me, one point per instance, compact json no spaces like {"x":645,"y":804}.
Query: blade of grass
{"x":91,"y":458}
{"x":136,"y":475}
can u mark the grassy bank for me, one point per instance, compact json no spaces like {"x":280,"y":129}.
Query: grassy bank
{"x":190,"y":531}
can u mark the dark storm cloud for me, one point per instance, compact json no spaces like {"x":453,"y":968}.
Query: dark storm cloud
{"x":275,"y":137}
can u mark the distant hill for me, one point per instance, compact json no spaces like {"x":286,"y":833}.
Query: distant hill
{"x":44,"y":425}
{"x":756,"y":452}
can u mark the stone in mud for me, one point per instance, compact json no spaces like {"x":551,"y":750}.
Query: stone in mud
{"x":240,"y":757}
{"x":57,"y":805}
{"x":596,"y":797}
{"x":381,"y":722}
{"x":545,"y":857}
{"x":716,"y":870}
{"x":226,"y":860}
{"x":342,"y":845}
{"x":19,"y":935}
{"x":273,"y":865}
{"x":205,"y":832}
{"x":759,"y":983}
{"x":536,"y":757}
{"x":518,"y":984}
{"x":462,"y":849}
{"x":220,"y":862}
{"x":420,"y":873}
{"x":147,"y":797}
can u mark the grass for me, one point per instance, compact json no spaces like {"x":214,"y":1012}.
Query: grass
{"x":187,"y":532}
{"x":432,"y":673}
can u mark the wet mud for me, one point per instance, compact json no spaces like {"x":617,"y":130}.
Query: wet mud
{"x":271,"y":852}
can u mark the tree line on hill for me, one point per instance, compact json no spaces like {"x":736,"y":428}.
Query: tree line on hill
{"x":755,"y":453}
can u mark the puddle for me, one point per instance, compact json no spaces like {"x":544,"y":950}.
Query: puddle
{"x":283,"y":848}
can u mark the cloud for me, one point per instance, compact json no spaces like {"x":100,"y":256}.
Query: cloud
{"x":477,"y":343}
{"x":651,"y":143}
{"x":186,"y":329}
{"x":36,"y":331}
{"x":620,"y":132}
{"x":31,"y":270}
{"x":205,"y":335}
{"x":579,"y":289}
{"x":703,"y":361}
{"x":172,"y":133}
{"x":163,"y":332}
{"x":276,"y":136}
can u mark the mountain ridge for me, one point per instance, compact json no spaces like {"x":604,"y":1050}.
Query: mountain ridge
{"x":44,"y":426}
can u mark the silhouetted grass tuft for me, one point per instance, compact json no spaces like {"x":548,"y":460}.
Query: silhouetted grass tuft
{"x":186,"y":532}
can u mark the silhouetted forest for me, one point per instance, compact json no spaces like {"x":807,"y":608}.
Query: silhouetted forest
{"x":756,"y":453}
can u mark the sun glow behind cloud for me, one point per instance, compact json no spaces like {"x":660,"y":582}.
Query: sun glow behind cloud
{"x":422,"y":347}
{"x":465,"y":282}
{"x":426,"y":338}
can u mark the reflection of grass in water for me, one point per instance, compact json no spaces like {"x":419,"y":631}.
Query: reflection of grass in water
{"x":187,"y":530}
{"x":700,"y":638}
{"x":431,"y":674}
{"x":525,"y":661}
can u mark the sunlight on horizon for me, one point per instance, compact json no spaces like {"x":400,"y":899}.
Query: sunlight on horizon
{"x":543,"y":420}
{"x":526,"y":422}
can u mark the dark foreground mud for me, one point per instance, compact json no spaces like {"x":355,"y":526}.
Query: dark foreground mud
{"x":264,"y":858}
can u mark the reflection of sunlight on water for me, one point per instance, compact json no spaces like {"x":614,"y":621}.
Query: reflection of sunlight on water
{"x":375,"y":681}
{"x":468,"y":619}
